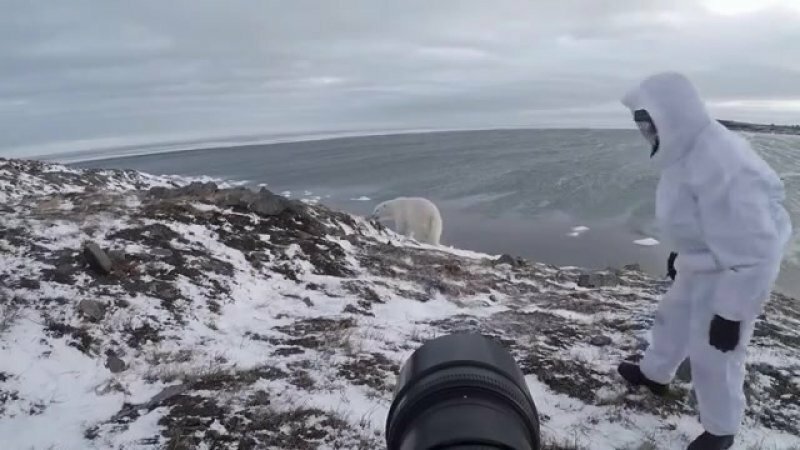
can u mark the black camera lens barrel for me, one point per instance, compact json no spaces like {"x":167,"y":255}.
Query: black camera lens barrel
{"x":462,"y":391}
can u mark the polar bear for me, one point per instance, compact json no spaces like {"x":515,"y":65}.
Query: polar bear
{"x":415,"y":217}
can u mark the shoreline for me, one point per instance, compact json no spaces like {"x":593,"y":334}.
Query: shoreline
{"x":551,"y":239}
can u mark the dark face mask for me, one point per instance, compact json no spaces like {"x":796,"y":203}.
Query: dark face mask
{"x":647,"y":128}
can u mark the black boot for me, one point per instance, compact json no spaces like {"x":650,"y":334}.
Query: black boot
{"x":633,"y":375}
{"x":708,"y":441}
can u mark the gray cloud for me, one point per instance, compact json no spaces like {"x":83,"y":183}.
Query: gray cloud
{"x":91,"y":73}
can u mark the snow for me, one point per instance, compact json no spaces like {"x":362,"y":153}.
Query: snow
{"x":577,"y":231}
{"x":67,"y":384}
{"x":312,"y":200}
{"x":587,"y":426}
{"x":647,"y":242}
{"x":76,"y":392}
{"x":363,"y":198}
{"x":137,"y":433}
{"x":60,"y":235}
{"x":204,"y":207}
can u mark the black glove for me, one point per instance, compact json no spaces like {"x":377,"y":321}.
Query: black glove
{"x":724,"y":334}
{"x":671,"y":272}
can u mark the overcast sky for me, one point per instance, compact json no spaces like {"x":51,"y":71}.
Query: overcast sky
{"x":82,"y":74}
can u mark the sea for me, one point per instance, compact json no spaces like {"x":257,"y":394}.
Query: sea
{"x":566,"y":197}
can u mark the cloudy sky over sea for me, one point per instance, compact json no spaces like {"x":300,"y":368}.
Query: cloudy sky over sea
{"x":88,"y":74}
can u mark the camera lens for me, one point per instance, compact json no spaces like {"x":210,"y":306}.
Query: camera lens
{"x":462,"y":391}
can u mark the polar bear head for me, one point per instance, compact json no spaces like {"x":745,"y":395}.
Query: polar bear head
{"x":383,"y":211}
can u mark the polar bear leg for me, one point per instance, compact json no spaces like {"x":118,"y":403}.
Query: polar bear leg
{"x":434,"y":233}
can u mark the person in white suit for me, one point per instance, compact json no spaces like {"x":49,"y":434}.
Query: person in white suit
{"x":721,"y":207}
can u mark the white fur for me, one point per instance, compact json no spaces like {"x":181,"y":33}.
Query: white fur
{"x":415,"y":217}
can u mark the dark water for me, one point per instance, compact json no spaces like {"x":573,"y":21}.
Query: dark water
{"x":501,"y":191}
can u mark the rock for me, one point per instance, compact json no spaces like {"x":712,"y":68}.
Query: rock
{"x":165,"y":291}
{"x":63,"y":274}
{"x":117,"y":256}
{"x":507,"y":259}
{"x":303,"y":236}
{"x":615,"y":271}
{"x":29,"y":283}
{"x":158,"y":192}
{"x":597,"y":280}
{"x":48,"y":204}
{"x":198,"y":189}
{"x":585,"y":280}
{"x":216,"y":266}
{"x":92,"y":309}
{"x":433,"y":286}
{"x":122,"y":303}
{"x":685,"y":371}
{"x":600,"y":341}
{"x":350,"y":309}
{"x":269,"y":205}
{"x":633,"y":267}
{"x":161,"y":252}
{"x":128,"y":410}
{"x":263,"y":203}
{"x":152,"y":233}
{"x":195,"y":189}
{"x":492,"y":298}
{"x":693,"y":399}
{"x":308,"y":302}
{"x":97,"y":258}
{"x":115,"y":364}
{"x":235,"y":197}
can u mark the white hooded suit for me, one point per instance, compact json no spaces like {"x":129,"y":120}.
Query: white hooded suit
{"x":720,"y":206}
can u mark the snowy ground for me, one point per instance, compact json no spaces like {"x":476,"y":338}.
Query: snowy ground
{"x":241,"y":320}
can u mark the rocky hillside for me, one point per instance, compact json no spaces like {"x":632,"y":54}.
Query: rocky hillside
{"x":141,"y":312}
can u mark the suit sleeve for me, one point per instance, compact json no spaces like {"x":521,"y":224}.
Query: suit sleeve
{"x":738,"y":227}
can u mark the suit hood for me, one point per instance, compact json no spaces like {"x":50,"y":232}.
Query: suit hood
{"x":676,"y":110}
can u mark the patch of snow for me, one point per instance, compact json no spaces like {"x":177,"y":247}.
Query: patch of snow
{"x":363,"y":198}
{"x":313,"y":200}
{"x":204,"y":207}
{"x":647,"y":242}
{"x":138,"y":433}
{"x":60,"y":234}
{"x":63,"y":385}
{"x":577,"y":231}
